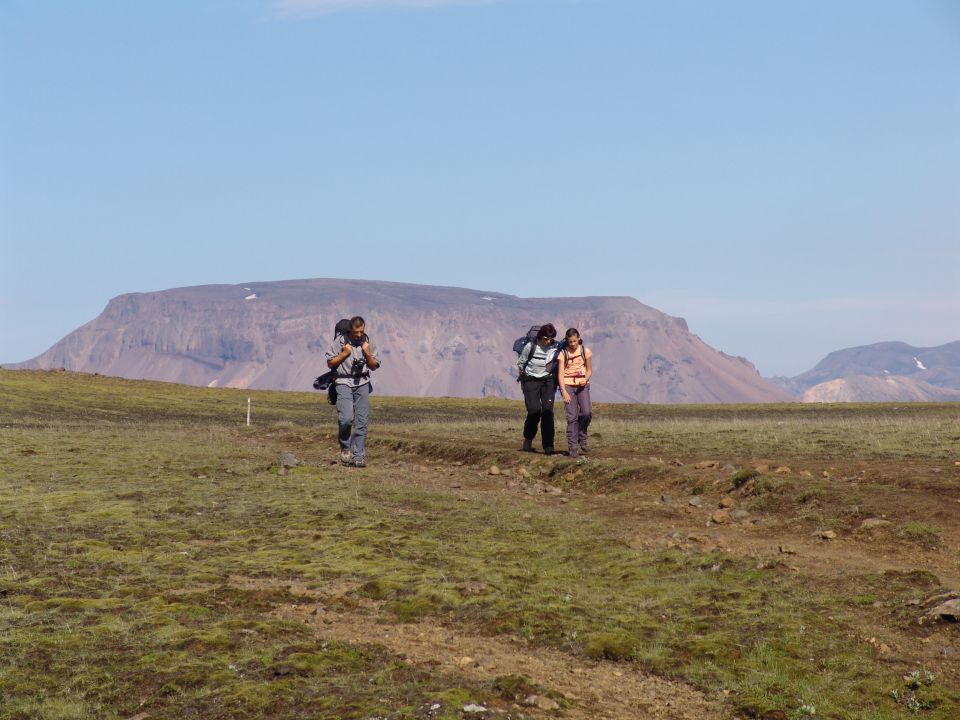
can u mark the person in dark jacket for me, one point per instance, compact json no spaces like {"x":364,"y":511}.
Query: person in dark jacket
{"x":537,"y":380}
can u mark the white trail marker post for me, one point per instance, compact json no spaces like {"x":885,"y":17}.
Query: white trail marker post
{"x":248,"y":412}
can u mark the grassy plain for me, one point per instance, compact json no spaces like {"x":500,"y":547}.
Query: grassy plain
{"x":156,"y":563}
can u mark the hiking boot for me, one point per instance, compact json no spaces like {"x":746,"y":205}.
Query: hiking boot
{"x":548,"y":451}
{"x":346,"y":457}
{"x":584,"y":450}
{"x":360,"y":462}
{"x":527,"y":446}
{"x":572,"y":452}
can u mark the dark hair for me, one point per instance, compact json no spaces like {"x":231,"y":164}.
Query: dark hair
{"x":357,"y":321}
{"x":572,"y":332}
{"x":547,"y":331}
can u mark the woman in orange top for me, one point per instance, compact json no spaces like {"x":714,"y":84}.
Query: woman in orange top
{"x":574,"y":368}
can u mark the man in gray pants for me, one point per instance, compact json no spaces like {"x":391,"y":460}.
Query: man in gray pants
{"x":353,"y":357}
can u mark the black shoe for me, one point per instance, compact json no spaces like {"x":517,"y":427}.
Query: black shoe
{"x":527,"y":446}
{"x":548,"y":451}
{"x":572,"y":452}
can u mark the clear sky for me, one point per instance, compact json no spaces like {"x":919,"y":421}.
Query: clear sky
{"x":785,"y":175}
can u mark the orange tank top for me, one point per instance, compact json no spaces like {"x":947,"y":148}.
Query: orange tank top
{"x":575,"y":367}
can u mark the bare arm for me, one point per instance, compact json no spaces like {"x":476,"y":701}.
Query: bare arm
{"x":561,"y":364}
{"x":588,"y":357}
{"x":372,"y":362}
{"x":337,"y":359}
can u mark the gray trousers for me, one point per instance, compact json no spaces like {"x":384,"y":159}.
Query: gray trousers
{"x":579,"y":415}
{"x":353,"y":413}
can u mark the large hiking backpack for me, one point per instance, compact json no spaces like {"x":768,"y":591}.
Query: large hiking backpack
{"x":327,"y":380}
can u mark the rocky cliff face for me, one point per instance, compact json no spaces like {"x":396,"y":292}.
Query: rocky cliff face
{"x":433,"y":341}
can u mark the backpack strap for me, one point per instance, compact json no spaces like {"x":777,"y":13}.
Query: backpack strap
{"x":533,"y":346}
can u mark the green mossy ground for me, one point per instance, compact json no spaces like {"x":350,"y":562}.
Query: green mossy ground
{"x":126,"y":508}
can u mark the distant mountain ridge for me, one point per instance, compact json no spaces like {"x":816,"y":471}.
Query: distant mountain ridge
{"x":433,"y":341}
{"x":884,"y":371}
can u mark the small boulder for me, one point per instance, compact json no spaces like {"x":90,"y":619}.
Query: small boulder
{"x":873,"y":524}
{"x":706,"y":465}
{"x":494,"y":470}
{"x":695,"y":501}
{"x":948,"y":611}
{"x":288,"y":460}
{"x":542,"y":702}
{"x":721,"y":517}
{"x":727,"y":502}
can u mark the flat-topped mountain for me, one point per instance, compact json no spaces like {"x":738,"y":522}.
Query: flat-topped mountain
{"x":433,"y":341}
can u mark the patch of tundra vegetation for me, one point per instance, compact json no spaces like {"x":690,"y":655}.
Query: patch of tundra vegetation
{"x":128,"y":509}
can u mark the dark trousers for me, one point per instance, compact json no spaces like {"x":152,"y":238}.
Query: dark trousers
{"x":538,"y":397}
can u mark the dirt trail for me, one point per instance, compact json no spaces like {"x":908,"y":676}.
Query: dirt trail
{"x":618,"y":691}
{"x":596,"y":691}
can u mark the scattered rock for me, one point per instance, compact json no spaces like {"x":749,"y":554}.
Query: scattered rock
{"x":806,"y":473}
{"x":676,"y":463}
{"x":787,"y":550}
{"x":945,"y":612}
{"x":288,"y":460}
{"x":471,"y":588}
{"x":706,"y":465}
{"x":474,"y":708}
{"x":542,"y":702}
{"x":825,"y":534}
{"x":456,"y":486}
{"x":727,"y":502}
{"x":739,"y":515}
{"x":873,"y":523}
{"x":465,"y":661}
{"x":666,"y":499}
{"x":494,"y":470}
{"x":695,"y":501}
{"x":825,"y":474}
{"x":729,"y":468}
{"x":761,"y":467}
{"x":720,"y":517}
{"x":782,"y":470}
{"x":523,"y":472}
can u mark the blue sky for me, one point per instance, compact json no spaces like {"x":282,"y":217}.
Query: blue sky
{"x":784,"y":175}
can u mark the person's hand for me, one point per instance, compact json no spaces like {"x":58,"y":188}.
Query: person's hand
{"x":566,"y":397}
{"x":365,"y":347}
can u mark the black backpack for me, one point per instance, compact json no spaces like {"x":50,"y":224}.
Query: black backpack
{"x":327,"y":380}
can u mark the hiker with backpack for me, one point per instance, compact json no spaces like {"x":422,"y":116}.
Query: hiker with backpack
{"x":574,"y":368}
{"x":537,"y":365}
{"x":352,"y":357}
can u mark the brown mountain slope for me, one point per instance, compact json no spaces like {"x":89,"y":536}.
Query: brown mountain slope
{"x":433,"y":341}
{"x":889,"y":388}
